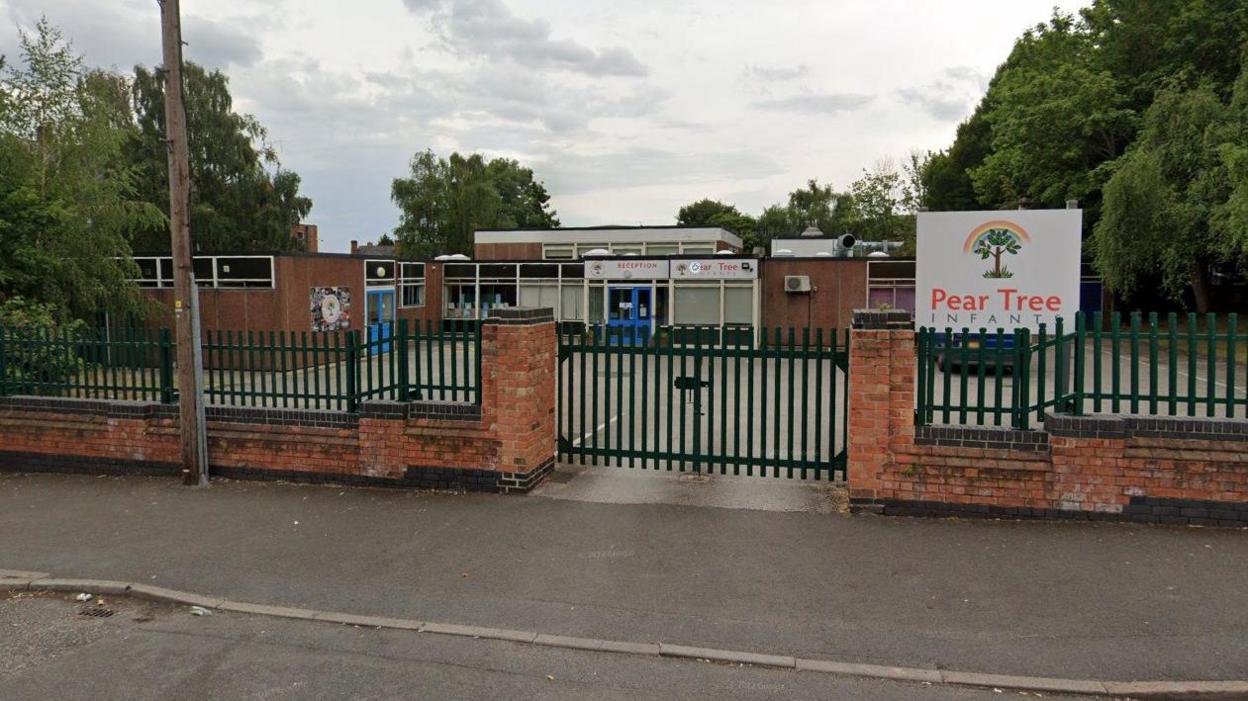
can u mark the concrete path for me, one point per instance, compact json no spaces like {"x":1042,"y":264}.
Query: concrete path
{"x":161,"y":652}
{"x":1062,"y":600}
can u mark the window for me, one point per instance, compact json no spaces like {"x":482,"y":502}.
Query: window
{"x":571,"y":309}
{"x":596,"y":294}
{"x":244,"y":272}
{"x":699,"y":248}
{"x":210,"y":271}
{"x":540,"y":295}
{"x":379,"y":273}
{"x":621,"y":249}
{"x":738,"y":305}
{"x":461,"y":301}
{"x":411,"y":284}
{"x":662,"y":249}
{"x":558,"y":251}
{"x":583,"y":248}
{"x":697,"y":304}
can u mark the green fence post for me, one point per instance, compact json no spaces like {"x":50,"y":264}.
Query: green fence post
{"x":353,"y":369}
{"x":4,"y":367}
{"x":166,"y":367}
{"x":401,"y":346}
{"x":1080,"y":350}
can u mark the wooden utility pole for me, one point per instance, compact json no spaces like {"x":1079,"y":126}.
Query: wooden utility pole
{"x":190,"y":395}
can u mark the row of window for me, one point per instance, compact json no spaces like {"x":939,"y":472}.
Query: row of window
{"x":713,"y":303}
{"x":573,"y":251}
{"x":210,"y":271}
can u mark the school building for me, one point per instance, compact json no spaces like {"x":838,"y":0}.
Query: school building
{"x":634,"y":278}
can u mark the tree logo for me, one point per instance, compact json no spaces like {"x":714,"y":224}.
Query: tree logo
{"x":993,"y":241}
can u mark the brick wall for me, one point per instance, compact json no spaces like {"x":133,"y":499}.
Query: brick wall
{"x":507,"y":443}
{"x":1153,"y":469}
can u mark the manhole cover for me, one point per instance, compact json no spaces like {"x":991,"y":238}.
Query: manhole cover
{"x":96,"y":612}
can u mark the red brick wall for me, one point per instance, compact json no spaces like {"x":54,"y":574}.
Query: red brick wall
{"x":507,"y":251}
{"x":840,"y":287}
{"x":510,"y":434}
{"x":1144,"y":468}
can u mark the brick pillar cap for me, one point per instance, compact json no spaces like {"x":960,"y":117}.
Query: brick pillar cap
{"x":520,"y":315}
{"x":882,"y":319}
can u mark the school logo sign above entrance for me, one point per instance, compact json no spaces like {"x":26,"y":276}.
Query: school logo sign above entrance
{"x":1009,"y":270}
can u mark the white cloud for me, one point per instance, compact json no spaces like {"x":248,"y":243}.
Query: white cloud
{"x":626,"y":110}
{"x":815,"y":103}
{"x":488,"y":28}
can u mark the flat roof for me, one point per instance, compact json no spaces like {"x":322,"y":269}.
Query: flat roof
{"x":610,"y":234}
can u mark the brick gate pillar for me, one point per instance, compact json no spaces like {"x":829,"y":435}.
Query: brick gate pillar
{"x":882,"y":364}
{"x":519,"y":354}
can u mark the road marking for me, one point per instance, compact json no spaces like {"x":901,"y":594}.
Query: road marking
{"x":598,"y":430}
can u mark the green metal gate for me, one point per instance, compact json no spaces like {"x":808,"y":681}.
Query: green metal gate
{"x":706,"y":399}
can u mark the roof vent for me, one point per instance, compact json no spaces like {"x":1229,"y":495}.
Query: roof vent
{"x":812,"y":232}
{"x":597,"y":252}
{"x":781,"y":252}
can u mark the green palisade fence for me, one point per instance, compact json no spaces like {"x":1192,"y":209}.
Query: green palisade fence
{"x":1171,"y":365}
{"x":682,"y":400}
{"x":279,"y":369}
{"x":121,"y":363}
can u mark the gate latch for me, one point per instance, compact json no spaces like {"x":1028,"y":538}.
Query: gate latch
{"x":686,"y":382}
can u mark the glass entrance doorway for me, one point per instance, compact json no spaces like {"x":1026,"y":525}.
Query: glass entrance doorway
{"x":630,"y":314}
{"x":380,"y":316}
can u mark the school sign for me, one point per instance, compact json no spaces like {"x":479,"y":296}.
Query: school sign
{"x":1009,"y":270}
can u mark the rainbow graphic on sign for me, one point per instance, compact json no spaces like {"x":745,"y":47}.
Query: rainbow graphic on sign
{"x":983,"y":230}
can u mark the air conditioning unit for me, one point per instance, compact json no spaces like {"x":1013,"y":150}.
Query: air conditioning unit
{"x":797,"y":283}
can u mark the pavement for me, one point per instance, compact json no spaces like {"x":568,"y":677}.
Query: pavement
{"x":147,"y":650}
{"x":1084,"y":601}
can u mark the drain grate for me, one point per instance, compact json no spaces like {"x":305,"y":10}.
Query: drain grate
{"x":96,"y":612}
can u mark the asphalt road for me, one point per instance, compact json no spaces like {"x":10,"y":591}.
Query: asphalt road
{"x":1068,"y":600}
{"x":158,"y":652}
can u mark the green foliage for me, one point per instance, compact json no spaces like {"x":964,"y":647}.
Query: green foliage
{"x":443,"y":201}
{"x":708,"y":212}
{"x":241,"y":197}
{"x":24,"y":363}
{"x":67,"y":195}
{"x":1168,"y":206}
{"x":1135,"y":109}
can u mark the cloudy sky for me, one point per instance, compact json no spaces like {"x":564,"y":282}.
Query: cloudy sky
{"x":626,"y":110}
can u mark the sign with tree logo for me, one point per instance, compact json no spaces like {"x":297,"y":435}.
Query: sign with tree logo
{"x":1008,"y":270}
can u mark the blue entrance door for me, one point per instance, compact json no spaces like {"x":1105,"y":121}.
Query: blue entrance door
{"x":380,"y":320}
{"x":629,"y":314}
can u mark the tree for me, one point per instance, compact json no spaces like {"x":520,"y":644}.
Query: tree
{"x":708,"y":212}
{"x":241,"y":197}
{"x":443,"y":202}
{"x":702,"y":212}
{"x":946,"y":175}
{"x":1167,"y":207}
{"x":525,"y":204}
{"x":1056,"y":118}
{"x":67,"y":195}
